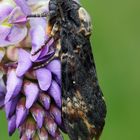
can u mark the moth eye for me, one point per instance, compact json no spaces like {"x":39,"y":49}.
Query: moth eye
{"x":52,"y":6}
{"x":53,"y":14}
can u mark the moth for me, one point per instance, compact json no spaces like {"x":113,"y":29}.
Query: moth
{"x":83,"y":104}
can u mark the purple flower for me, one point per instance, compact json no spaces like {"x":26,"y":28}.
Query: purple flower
{"x":38,"y":27}
{"x":21,"y":112}
{"x":9,"y":30}
{"x":45,"y":100}
{"x":24,"y":6}
{"x":31,"y":92}
{"x":12,"y":125}
{"x":17,"y":85}
{"x":2,"y":90}
{"x":31,"y":97}
{"x":13,"y":85}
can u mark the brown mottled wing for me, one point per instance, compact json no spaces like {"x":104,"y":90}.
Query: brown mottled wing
{"x":83,"y":107}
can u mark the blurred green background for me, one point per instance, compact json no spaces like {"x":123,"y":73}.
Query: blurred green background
{"x":116,"y":41}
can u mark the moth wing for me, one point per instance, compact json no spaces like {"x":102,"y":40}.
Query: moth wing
{"x":83,"y":107}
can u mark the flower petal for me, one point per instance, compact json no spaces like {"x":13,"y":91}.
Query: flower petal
{"x":2,"y":86}
{"x":55,"y":67}
{"x":31,"y":91}
{"x":13,"y":86}
{"x":24,"y":6}
{"x":1,"y":102}
{"x":17,"y":16}
{"x":38,"y":114}
{"x":12,"y":125}
{"x":34,"y":2}
{"x":34,"y":22}
{"x":24,"y":137}
{"x":56,"y":112}
{"x":5,"y":10}
{"x":22,"y":129}
{"x":30,"y":128}
{"x":55,"y":92}
{"x":50,"y":125}
{"x":21,"y":112}
{"x":24,"y":62}
{"x":4,"y":31}
{"x":10,"y":107}
{"x":44,"y":78}
{"x":43,"y":134}
{"x":8,"y":35}
{"x":38,"y":39}
{"x":45,"y":100}
{"x":58,"y":136}
{"x":12,"y":53}
{"x":13,"y":37}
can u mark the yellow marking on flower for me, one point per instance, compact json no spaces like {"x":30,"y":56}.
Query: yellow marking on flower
{"x":6,"y":23}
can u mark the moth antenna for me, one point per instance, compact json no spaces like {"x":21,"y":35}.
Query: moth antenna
{"x":38,"y":15}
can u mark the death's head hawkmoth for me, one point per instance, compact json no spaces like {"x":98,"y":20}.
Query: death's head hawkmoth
{"x":83,"y":105}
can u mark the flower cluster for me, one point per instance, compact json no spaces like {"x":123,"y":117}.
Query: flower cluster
{"x":30,"y":97}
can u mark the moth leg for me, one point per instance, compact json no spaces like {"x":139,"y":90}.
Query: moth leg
{"x":42,"y":46}
{"x":55,"y":56}
{"x":52,"y":31}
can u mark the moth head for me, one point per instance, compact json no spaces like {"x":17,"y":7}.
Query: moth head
{"x":85,"y":19}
